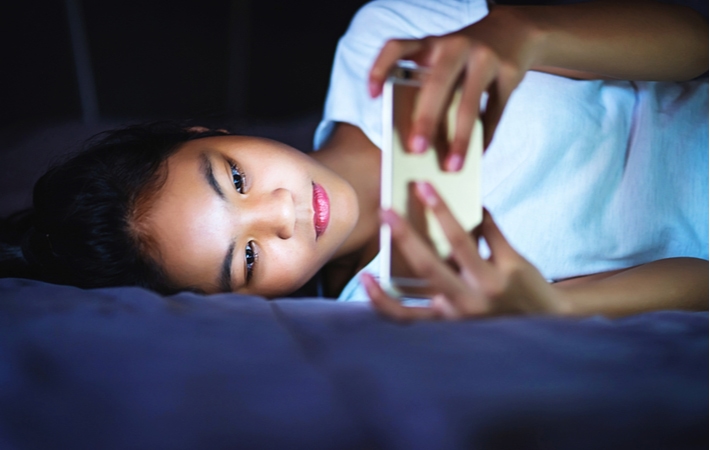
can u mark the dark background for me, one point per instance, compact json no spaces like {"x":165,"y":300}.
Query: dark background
{"x":258,"y":68}
{"x":154,"y":59}
{"x":253,"y":60}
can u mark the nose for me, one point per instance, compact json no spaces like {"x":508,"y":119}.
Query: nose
{"x":274,"y":213}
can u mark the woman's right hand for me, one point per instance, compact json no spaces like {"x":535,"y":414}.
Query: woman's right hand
{"x":491,"y":56}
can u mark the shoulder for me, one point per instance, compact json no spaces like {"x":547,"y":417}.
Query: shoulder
{"x":386,"y":19}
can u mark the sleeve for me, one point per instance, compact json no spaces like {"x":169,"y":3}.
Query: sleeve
{"x":348,"y":99}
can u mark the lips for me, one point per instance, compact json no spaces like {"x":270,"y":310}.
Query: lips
{"x":321,"y":209}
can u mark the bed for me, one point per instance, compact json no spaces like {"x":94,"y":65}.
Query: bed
{"x":125,"y":368}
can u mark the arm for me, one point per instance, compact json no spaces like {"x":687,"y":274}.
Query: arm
{"x":628,"y":40}
{"x":674,"y":283}
{"x":506,"y":283}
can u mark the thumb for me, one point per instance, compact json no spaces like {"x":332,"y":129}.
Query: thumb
{"x":500,"y":248}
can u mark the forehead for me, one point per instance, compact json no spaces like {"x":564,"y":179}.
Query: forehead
{"x":241,"y":146}
{"x":188,"y":223}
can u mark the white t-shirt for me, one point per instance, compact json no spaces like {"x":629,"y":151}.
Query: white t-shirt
{"x":582,"y":176}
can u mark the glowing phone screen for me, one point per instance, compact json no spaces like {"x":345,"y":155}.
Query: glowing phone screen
{"x":460,"y":190}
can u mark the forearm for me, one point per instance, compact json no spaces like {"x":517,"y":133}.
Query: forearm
{"x":674,"y":283}
{"x":626,"y":40}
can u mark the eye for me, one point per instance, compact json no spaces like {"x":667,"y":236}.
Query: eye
{"x":250,"y":257}
{"x":237,"y":178}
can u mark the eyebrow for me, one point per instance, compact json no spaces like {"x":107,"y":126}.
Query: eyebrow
{"x":225,"y":275}
{"x":206,"y":167}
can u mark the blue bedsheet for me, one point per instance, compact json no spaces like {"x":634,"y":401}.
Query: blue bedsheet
{"x":126,"y":368}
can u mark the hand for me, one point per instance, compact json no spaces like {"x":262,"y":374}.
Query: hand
{"x":489,"y":56}
{"x":505,"y":283}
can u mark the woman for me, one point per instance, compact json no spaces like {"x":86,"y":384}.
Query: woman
{"x":582,"y":175}
{"x":213,"y":212}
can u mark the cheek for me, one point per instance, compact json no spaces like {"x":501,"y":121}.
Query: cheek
{"x":287,"y":268}
{"x":278,"y":167}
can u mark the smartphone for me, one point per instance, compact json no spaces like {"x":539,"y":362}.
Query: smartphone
{"x":400,"y":170}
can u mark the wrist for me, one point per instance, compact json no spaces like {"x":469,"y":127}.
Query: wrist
{"x":533,"y":29}
{"x":561,"y":304}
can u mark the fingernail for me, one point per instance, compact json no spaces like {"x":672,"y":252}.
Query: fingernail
{"x":389,"y":217}
{"x":367,"y":280}
{"x":419,"y":144}
{"x":374,"y":89}
{"x":454,"y":163}
{"x":426,"y":191}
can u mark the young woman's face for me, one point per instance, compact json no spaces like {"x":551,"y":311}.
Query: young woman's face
{"x":248,"y":215}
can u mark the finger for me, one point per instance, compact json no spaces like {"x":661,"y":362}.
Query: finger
{"x":478,"y":77}
{"x":476,"y":235}
{"x":435,"y":95}
{"x":444,"y":307}
{"x":422,"y":259}
{"x":499,"y":93}
{"x":393,"y":50}
{"x":463,"y":248}
{"x":500,"y":248}
{"x":393,"y":309}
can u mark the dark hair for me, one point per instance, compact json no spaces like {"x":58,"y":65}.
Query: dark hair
{"x":79,"y":230}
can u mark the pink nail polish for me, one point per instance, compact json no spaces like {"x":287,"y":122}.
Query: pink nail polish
{"x":419,"y":144}
{"x":426,"y":191}
{"x":389,"y":217}
{"x":454,"y":163}
{"x":374,"y":89}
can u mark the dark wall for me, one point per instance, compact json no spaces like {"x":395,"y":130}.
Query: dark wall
{"x":37,"y":70}
{"x":160,"y":58}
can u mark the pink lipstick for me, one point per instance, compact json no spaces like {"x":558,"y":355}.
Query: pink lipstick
{"x":321,"y":209}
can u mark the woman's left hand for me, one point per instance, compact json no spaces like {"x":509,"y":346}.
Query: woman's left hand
{"x":505,"y":283}
{"x":491,"y":55}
